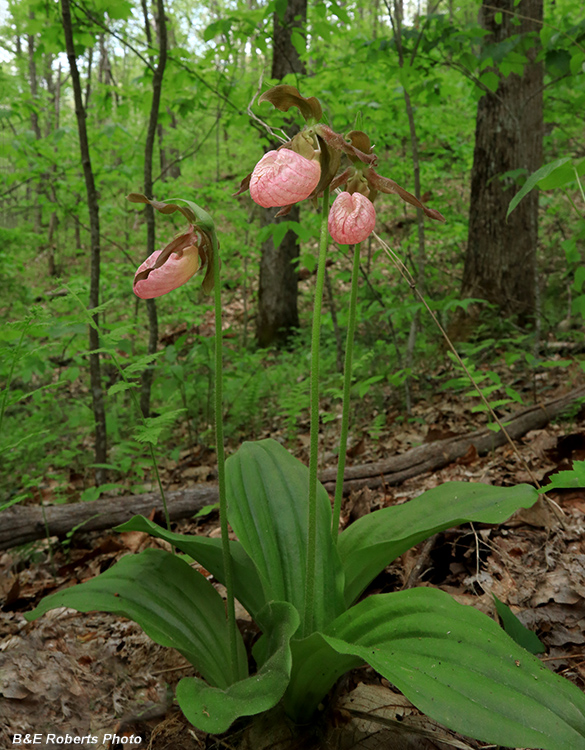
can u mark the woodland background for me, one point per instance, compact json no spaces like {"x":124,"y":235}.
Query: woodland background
{"x":101,"y":98}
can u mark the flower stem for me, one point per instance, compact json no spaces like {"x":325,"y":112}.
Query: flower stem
{"x":346,"y":393}
{"x":225,"y":542}
{"x":312,"y":520}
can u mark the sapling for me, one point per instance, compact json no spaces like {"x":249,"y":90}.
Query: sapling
{"x":299,"y":579}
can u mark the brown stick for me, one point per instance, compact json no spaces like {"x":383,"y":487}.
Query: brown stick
{"x":433,"y":456}
{"x":22,"y":524}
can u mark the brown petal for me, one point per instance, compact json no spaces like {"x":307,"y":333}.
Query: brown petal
{"x":386,"y":185}
{"x":330,"y":159}
{"x":341,"y":179}
{"x":284,"y":211}
{"x":244,"y":185}
{"x":337,"y":141}
{"x":164,"y":208}
{"x":206,"y":254}
{"x":360,"y":141}
{"x":283,"y":97}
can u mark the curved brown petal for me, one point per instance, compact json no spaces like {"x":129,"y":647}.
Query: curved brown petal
{"x":283,"y":97}
{"x":337,"y":141}
{"x":340,"y":179}
{"x":360,"y":140}
{"x":164,"y":208}
{"x":386,"y":185}
{"x":244,"y":185}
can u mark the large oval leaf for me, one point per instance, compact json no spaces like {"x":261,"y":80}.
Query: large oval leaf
{"x":373,"y":541}
{"x":208,"y":552}
{"x":316,"y":668}
{"x":172,"y":603}
{"x":267,"y":491}
{"x":214,"y":710}
{"x":460,"y":668}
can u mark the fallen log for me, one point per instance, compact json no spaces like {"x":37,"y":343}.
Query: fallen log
{"x":431,"y":456}
{"x":22,"y":524}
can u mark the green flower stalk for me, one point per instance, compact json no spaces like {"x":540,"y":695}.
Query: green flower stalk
{"x":307,"y":622}
{"x":165,"y":270}
{"x":347,"y":377}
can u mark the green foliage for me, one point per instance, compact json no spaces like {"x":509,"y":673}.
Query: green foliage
{"x":573,"y":479}
{"x":554,"y":175}
{"x":203,"y":113}
{"x":452,"y":661}
{"x":175,"y":605}
{"x":512,"y":625}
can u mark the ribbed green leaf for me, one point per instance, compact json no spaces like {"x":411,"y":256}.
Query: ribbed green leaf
{"x":213,"y":710}
{"x":460,"y":668}
{"x":316,"y":668}
{"x":172,"y":603}
{"x":268,"y":509}
{"x":208,"y":552}
{"x":373,"y":541}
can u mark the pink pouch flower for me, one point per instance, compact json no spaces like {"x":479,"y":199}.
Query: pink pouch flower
{"x":282,"y":178}
{"x":352,"y":218}
{"x":158,"y":276}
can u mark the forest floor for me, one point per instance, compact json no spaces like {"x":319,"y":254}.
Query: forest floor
{"x":98,"y":674}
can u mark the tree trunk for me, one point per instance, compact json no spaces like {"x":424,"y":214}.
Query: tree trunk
{"x":34,"y":119}
{"x":500,"y":263}
{"x":420,"y":218}
{"x":97,"y":393}
{"x":157,"y":79}
{"x":285,"y":58}
{"x":278,"y":315}
{"x":52,"y":123}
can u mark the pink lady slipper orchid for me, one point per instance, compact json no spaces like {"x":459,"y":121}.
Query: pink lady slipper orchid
{"x":352,"y":218}
{"x":188,"y":253}
{"x":282,"y":178}
{"x":169,"y":268}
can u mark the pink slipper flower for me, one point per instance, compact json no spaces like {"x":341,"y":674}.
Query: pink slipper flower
{"x":283,"y":177}
{"x":169,"y":268}
{"x":352,"y":218}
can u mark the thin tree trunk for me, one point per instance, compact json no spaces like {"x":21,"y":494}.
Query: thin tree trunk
{"x":157,"y":78}
{"x":52,"y":123}
{"x":278,"y":315}
{"x":94,"y":223}
{"x":422,"y":255}
{"x":34,"y":119}
{"x":32,"y":72}
{"x":88,"y":81}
